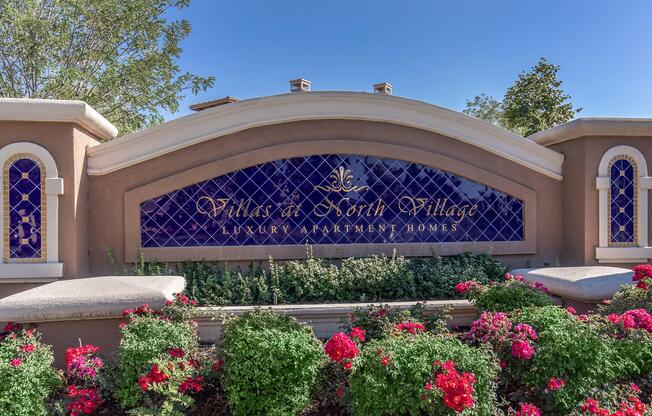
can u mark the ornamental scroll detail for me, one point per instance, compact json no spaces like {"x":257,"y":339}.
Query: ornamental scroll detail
{"x":331,"y":199}
{"x":342,"y":182}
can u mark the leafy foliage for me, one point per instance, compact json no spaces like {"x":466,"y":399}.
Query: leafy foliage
{"x":271,"y":364}
{"x":374,"y":278}
{"x":534,"y":102}
{"x":118,"y":56}
{"x":27,"y":375}
{"x":485,"y":108}
{"x":627,"y":298}
{"x":146,"y":339}
{"x":396,"y":388}
{"x":508,"y":296}
{"x":570,"y":349}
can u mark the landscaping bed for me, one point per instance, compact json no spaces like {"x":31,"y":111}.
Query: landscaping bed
{"x":314,"y":280}
{"x":523,"y":356}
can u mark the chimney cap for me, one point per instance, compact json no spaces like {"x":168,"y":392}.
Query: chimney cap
{"x":213,"y":103}
{"x":383,"y":88}
{"x":299,"y":85}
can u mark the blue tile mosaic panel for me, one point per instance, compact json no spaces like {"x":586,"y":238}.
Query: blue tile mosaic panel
{"x":331,"y":199}
{"x":622,"y":202}
{"x":25,"y":209}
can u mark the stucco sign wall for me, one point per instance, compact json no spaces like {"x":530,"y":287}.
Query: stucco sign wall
{"x":331,"y":199}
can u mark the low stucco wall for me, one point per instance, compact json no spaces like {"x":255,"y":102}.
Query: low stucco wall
{"x":325,"y":319}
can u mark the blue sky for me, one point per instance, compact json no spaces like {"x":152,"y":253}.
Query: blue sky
{"x":442,"y":52}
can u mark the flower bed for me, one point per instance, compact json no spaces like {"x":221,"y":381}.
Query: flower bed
{"x":521,"y":357}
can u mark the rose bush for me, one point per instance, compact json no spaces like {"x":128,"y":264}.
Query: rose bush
{"x":511,"y":294}
{"x":27,"y":375}
{"x":422,"y":374}
{"x":149,"y":339}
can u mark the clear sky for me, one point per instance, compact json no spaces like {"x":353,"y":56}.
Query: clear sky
{"x":442,"y":52}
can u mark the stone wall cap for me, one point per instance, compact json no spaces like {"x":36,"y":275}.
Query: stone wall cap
{"x":90,"y":298}
{"x":585,"y":283}
{"x":594,"y":126}
{"x":319,"y":309}
{"x":67,"y":111}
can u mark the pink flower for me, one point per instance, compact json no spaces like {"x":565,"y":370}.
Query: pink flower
{"x":527,"y":409}
{"x":490,"y":328}
{"x":347,"y":365}
{"x":556,"y":384}
{"x":524,"y":332}
{"x":28,"y":348}
{"x":358,"y":333}
{"x":465,"y":287}
{"x":428,"y":386}
{"x":571,"y":310}
{"x":339,"y":392}
{"x":522,"y":350}
{"x":410,"y":327}
{"x":457,"y":388}
{"x":191,"y":384}
{"x":635,"y":387}
{"x":384,"y":361}
{"x":217,"y":365}
{"x":340,"y":346}
{"x":177,"y":353}
{"x":509,"y":277}
{"x":16,"y":362}
{"x":11,"y":327}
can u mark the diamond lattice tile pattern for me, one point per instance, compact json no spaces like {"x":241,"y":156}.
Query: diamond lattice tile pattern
{"x":24,"y":209}
{"x":175,"y":219}
{"x":622,"y":204}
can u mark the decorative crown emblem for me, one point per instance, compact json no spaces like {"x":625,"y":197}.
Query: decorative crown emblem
{"x":342,"y":181}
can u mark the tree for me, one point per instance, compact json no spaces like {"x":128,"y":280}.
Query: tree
{"x":485,"y":108}
{"x":534,"y":102}
{"x":120,"y":56}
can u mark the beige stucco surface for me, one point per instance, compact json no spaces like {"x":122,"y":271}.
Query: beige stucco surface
{"x":107,"y":203}
{"x":586,"y":284}
{"x":579,"y":193}
{"x":67,"y":145}
{"x":89,"y":298}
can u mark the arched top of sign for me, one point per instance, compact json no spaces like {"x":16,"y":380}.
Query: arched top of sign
{"x":331,"y":199}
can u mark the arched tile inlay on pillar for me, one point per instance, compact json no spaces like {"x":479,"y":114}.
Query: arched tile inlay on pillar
{"x":30,"y":219}
{"x":25,"y":206}
{"x":623,"y":184}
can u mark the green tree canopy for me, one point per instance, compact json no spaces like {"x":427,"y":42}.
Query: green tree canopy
{"x":534,"y":102}
{"x":120,"y":56}
{"x":486,"y":108}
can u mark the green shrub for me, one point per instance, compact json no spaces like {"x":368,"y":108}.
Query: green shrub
{"x":396,"y":389}
{"x":570,"y":349}
{"x":27,"y":379}
{"x":146,"y":339}
{"x":378,"y":320}
{"x":508,"y":296}
{"x":271,"y":364}
{"x":627,"y":298}
{"x":374,"y":278}
{"x":435,"y":277}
